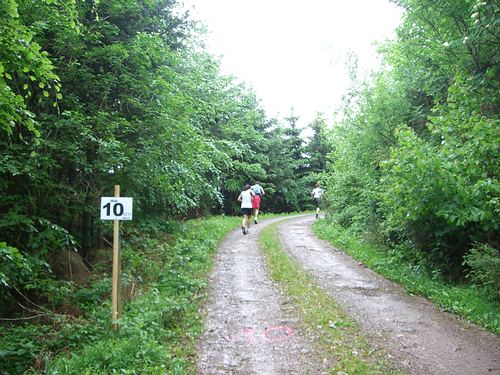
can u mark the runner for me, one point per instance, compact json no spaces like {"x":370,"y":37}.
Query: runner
{"x":317,"y":194}
{"x":258,"y":190}
{"x":245,"y":198}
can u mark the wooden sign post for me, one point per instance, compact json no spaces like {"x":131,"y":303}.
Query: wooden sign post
{"x":116,"y":209}
{"x":116,"y":290}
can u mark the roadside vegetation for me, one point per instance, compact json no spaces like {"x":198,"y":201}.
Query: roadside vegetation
{"x":337,"y":336}
{"x":165,"y":266}
{"x":475,"y":303}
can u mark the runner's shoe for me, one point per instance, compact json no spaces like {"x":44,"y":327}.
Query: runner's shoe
{"x":255,"y":221}
{"x":316,"y":216}
{"x":243,"y":230}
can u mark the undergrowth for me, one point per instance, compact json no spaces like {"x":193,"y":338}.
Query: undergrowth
{"x":164,"y":268}
{"x":473,"y":303}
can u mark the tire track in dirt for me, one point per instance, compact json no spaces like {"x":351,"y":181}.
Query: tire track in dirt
{"x":248,"y":328}
{"x":418,"y":336}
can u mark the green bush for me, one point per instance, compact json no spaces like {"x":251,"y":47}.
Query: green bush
{"x":18,"y":349}
{"x":14,"y":268}
{"x":443,"y":190}
{"x":484,"y":267}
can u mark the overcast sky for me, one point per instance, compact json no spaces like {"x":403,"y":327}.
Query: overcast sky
{"x":293,"y":53}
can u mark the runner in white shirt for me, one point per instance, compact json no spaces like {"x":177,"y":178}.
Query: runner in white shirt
{"x":317,"y":194}
{"x":245,"y":198}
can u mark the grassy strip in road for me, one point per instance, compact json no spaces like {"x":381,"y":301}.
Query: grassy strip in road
{"x":339,"y":339}
{"x":467,"y":301}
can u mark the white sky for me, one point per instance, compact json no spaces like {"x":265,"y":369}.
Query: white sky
{"x":294,"y":52}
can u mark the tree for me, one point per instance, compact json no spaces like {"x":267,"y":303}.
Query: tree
{"x":27,"y":77}
{"x":403,"y":162}
{"x":286,"y":189}
{"x":318,"y":146}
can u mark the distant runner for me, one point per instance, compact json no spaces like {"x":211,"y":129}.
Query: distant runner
{"x":317,"y":194}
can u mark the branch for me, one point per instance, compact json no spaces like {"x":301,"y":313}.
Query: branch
{"x":25,"y":318}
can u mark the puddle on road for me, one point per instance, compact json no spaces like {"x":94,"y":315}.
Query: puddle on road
{"x":355,"y":285}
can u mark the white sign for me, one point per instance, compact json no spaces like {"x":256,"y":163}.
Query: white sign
{"x":116,"y":208}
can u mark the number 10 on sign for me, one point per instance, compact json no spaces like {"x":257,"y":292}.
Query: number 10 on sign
{"x":116,"y":208}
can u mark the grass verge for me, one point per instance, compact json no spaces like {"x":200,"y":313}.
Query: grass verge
{"x":339,"y":338}
{"x":468,"y":301}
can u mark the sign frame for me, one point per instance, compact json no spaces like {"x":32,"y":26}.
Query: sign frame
{"x":116,"y":208}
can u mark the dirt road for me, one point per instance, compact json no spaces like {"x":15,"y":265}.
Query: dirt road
{"x":250,"y":330}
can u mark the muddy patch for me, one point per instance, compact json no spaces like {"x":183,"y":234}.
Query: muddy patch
{"x":416,"y":334}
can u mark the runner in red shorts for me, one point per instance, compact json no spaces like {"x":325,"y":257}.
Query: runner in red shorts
{"x":258,"y":190}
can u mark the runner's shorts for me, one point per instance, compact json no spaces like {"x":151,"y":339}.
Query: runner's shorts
{"x":246,"y":211}
{"x":256,"y":201}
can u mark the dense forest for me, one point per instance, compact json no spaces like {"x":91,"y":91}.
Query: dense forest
{"x":123,"y":92}
{"x":415,"y":156}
